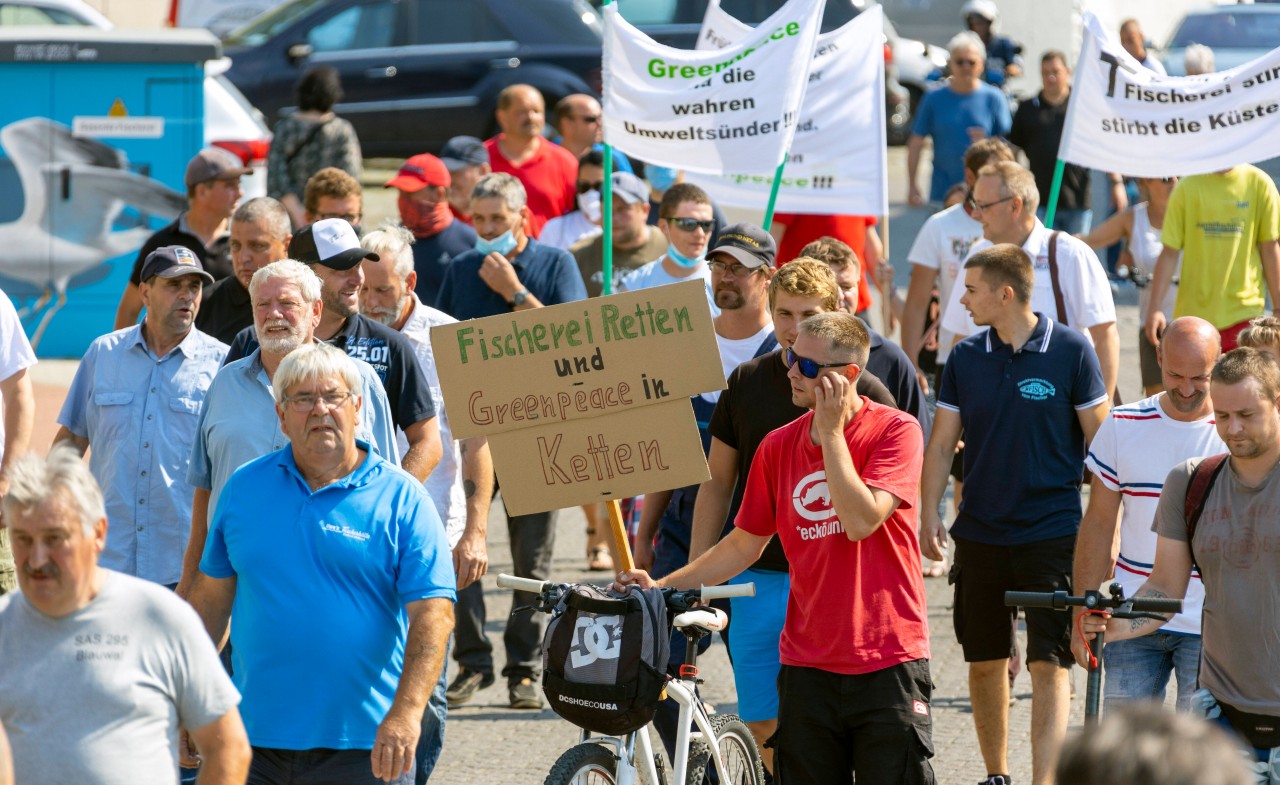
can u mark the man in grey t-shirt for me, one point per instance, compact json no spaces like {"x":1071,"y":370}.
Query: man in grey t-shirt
{"x":101,"y":669}
{"x":1234,"y":548}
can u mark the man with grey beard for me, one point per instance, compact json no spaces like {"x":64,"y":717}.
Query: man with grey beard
{"x":461,"y":485}
{"x":238,"y":422}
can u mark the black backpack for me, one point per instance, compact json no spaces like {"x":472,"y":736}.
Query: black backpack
{"x":604,"y":657}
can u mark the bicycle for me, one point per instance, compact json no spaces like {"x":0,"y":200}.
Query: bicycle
{"x":1117,"y":605}
{"x":731,"y":757}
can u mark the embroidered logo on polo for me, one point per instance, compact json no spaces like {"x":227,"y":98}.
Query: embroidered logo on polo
{"x":1036,"y":389}
{"x":345,"y":531}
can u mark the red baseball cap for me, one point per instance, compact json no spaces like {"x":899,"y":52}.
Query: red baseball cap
{"x":420,"y":171}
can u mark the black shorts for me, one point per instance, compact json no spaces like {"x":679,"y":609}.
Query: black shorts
{"x":877,"y":726}
{"x":983,"y":573}
{"x":1148,"y":362}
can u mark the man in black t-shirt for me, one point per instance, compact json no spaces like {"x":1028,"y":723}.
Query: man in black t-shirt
{"x":333,"y":251}
{"x":757,"y":401}
{"x":260,"y":234}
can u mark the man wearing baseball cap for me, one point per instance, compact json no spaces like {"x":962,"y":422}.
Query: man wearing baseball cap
{"x":213,"y":191}
{"x":333,"y":251}
{"x":136,"y":398}
{"x":635,"y":242}
{"x":467,"y":160}
{"x":423,"y":182}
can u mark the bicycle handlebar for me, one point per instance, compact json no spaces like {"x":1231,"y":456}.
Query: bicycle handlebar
{"x":1060,"y":600}
{"x":532,"y":585}
{"x":679,"y":598}
{"x":734,"y":590}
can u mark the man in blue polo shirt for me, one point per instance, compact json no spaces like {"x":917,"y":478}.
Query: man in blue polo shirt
{"x":1028,"y":394}
{"x":508,"y":271}
{"x":335,"y":565}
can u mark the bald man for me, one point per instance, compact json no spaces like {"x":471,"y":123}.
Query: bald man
{"x":579,"y":122}
{"x":548,"y":172}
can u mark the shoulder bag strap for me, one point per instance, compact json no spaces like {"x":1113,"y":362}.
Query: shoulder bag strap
{"x":1053,"y":279}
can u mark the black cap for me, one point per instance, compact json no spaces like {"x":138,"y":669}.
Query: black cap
{"x":461,"y":151}
{"x":331,"y":242}
{"x":750,"y":245}
{"x":171,"y":261}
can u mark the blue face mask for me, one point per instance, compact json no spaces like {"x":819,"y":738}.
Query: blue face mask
{"x":660,"y":177}
{"x":682,"y":260}
{"x":504,"y":244}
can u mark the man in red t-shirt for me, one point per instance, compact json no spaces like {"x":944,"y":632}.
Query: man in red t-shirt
{"x":838,"y":487}
{"x":548,"y":172}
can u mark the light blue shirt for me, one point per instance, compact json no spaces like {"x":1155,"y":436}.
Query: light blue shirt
{"x":239,"y":423}
{"x":139,"y":413}
{"x":318,"y":625}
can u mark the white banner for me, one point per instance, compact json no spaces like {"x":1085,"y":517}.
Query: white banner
{"x":837,"y":158}
{"x":1124,"y":118}
{"x":729,"y":110}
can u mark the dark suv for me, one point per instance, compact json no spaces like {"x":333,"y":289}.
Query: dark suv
{"x":417,"y":72}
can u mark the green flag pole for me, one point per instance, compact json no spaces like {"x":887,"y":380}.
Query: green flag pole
{"x":1051,"y":208}
{"x":773,"y":194}
{"x":606,"y":224}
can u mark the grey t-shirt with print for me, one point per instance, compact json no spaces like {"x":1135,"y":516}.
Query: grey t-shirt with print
{"x":1237,"y":549}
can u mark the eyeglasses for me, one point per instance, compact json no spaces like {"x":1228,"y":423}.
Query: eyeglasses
{"x":735,"y":269}
{"x":980,"y":207}
{"x":307,"y":402}
{"x":589,"y":118}
{"x":689,"y":224}
{"x":961,"y":61}
{"x":809,"y":369}
{"x":351,"y":218}
{"x":596,"y":186}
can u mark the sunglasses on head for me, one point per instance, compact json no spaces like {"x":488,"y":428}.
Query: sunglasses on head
{"x":596,"y":186}
{"x":809,"y":369}
{"x":689,"y":224}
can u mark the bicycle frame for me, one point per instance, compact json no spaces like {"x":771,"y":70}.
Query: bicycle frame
{"x":637,"y":746}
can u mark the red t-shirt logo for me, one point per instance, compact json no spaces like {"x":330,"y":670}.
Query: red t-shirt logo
{"x":812,"y":499}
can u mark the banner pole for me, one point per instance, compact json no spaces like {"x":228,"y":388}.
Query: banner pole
{"x":1051,"y":208}
{"x":773,"y":194}
{"x":886,"y":287}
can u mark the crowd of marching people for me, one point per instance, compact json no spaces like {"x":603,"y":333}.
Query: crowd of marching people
{"x":276,"y":541}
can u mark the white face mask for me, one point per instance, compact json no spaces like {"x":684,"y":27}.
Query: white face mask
{"x":589,"y":203}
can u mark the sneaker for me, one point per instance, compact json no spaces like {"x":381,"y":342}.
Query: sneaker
{"x":524,"y":694}
{"x":465,"y":685}
{"x":997,"y":779}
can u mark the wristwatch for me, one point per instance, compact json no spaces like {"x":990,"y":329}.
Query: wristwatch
{"x":518,"y":298}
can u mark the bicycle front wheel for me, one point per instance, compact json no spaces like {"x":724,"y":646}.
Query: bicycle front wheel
{"x":737,"y":749}
{"x":585,"y":764}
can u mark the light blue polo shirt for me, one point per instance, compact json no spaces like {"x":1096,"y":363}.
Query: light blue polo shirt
{"x":139,"y":413}
{"x":318,"y":625}
{"x":239,"y":423}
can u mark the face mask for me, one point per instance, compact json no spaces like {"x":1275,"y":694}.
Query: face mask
{"x":661,"y":177}
{"x":424,"y":219}
{"x":504,"y":244}
{"x":681,"y":260}
{"x":589,"y":204}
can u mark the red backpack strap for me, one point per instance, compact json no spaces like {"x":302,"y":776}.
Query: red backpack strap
{"x":1053,"y":279}
{"x":1202,"y":478}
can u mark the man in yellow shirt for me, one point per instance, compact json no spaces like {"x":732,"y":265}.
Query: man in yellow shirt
{"x":1226,"y":224}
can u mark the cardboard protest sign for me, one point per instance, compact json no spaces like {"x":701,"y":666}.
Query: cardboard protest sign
{"x":568,"y":464}
{"x":588,"y":400}
{"x":837,"y":159}
{"x":729,"y":110}
{"x":1125,"y":118}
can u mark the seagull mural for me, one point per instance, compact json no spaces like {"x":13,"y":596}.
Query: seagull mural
{"x":81,"y":207}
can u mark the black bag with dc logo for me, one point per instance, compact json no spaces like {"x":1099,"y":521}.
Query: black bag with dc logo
{"x":604,"y":657}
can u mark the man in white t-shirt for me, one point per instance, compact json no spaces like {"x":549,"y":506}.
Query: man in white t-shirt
{"x":938,"y":254}
{"x":19,"y":410}
{"x":1005,"y":199}
{"x":1130,"y":457}
{"x":686,"y":219}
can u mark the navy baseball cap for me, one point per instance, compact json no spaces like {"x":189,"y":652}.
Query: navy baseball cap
{"x":462,"y":151}
{"x":171,"y":261}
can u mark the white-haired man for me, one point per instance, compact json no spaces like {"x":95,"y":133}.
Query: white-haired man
{"x":334,"y":562}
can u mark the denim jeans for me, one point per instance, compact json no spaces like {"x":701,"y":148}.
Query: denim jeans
{"x":431,"y":740}
{"x":1139,"y":669}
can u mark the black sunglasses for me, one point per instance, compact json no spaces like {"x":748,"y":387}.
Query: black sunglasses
{"x":809,"y":369}
{"x":596,"y":186}
{"x":689,"y":224}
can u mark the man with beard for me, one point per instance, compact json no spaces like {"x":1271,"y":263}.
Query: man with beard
{"x":238,"y":421}
{"x":461,"y":485}
{"x":1239,"y":683}
{"x":1132,"y":453}
{"x":260,"y":235}
{"x":547,"y":171}
{"x":423,"y":183}
{"x":145,"y":385}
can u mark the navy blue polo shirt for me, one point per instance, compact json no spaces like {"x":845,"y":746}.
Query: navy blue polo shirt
{"x":1023,"y":445}
{"x":431,"y":255}
{"x":550,"y":274}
